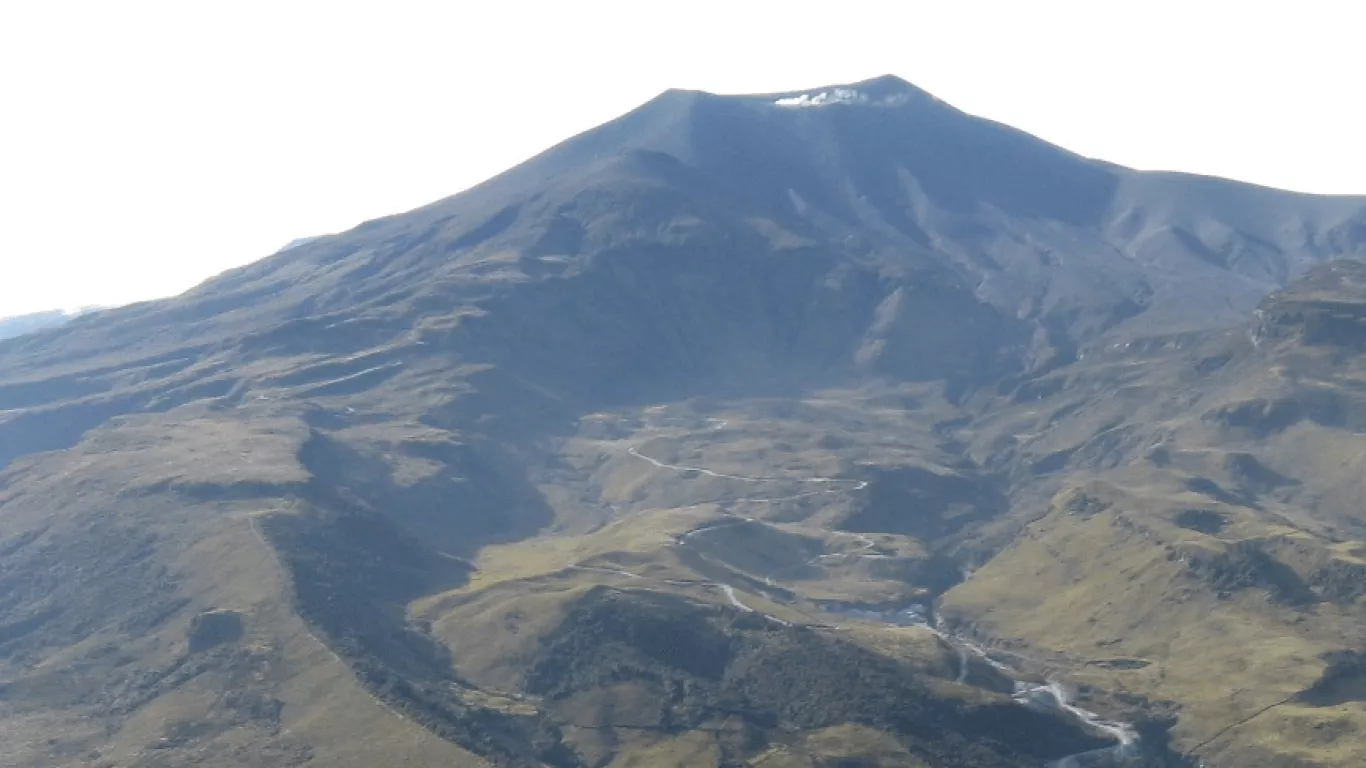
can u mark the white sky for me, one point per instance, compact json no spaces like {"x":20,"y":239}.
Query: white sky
{"x":147,"y":145}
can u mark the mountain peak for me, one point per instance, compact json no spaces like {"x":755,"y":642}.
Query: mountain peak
{"x":884,"y":90}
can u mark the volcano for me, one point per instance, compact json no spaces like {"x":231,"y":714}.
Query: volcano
{"x":618,"y":457}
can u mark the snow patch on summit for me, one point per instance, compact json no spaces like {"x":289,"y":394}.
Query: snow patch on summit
{"x":839,"y":96}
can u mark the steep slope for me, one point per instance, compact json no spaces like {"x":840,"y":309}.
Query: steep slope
{"x":556,"y":470}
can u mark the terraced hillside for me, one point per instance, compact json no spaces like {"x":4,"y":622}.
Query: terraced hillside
{"x":769,"y":430}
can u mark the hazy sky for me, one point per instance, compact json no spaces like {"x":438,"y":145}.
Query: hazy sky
{"x":145,"y":146}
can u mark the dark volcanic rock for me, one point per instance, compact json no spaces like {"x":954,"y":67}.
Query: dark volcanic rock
{"x":1248,"y":565}
{"x":215,"y":627}
{"x":1203,"y":520}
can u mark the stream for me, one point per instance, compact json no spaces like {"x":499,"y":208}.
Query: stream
{"x":1048,"y":696}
